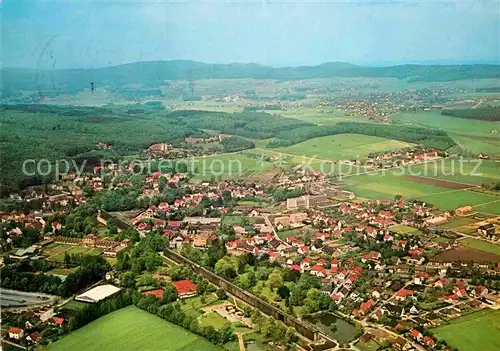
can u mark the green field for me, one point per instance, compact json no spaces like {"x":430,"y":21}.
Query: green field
{"x":342,"y":146}
{"x":387,"y":185}
{"x":448,"y":123}
{"x":459,"y":170}
{"x":326,"y":116}
{"x":131,"y":329}
{"x":479,"y":331}
{"x":228,"y":166}
{"x":489,"y":145}
{"x":457,"y":222}
{"x":481,"y":245}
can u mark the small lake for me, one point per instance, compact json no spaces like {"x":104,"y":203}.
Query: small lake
{"x":344,"y":333}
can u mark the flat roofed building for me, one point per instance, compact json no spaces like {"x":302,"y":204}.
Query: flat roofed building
{"x":98,"y":293}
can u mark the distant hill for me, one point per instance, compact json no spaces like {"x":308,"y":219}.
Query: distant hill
{"x":154,"y":73}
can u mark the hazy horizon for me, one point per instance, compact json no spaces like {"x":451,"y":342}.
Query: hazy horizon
{"x":48,"y":35}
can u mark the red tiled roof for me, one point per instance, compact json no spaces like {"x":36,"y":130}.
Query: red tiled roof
{"x":58,"y":320}
{"x":185,"y":287}
{"x":15,"y":330}
{"x":156,"y":292}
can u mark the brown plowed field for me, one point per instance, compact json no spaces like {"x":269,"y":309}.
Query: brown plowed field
{"x":438,"y":182}
{"x":466,"y":254}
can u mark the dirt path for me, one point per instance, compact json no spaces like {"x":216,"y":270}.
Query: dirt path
{"x":241,"y":342}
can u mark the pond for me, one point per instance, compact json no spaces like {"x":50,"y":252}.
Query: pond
{"x":344,"y":332}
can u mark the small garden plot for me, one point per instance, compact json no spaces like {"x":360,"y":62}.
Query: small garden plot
{"x":214,"y":319}
{"x":404,"y":229}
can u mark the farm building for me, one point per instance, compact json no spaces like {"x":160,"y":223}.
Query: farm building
{"x":464,"y":210}
{"x":185,"y":288}
{"x":486,"y":229}
{"x":98,"y":293}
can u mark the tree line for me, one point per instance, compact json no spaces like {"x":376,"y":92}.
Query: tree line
{"x":486,"y":113}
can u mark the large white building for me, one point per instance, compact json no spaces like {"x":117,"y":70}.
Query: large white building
{"x":98,"y":293}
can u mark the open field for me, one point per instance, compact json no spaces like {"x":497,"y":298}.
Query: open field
{"x":478,"y":331}
{"x":438,"y":182}
{"x":387,"y":185}
{"x":228,"y":166}
{"x":462,"y":254}
{"x":489,"y":145}
{"x":459,"y":170}
{"x":481,"y":245}
{"x":55,"y":252}
{"x":451,"y":124}
{"x":342,"y":146}
{"x":324,"y":116}
{"x":458,"y":222}
{"x":125,"y":329}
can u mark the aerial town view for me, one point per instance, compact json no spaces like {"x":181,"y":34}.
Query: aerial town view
{"x":261,"y":176}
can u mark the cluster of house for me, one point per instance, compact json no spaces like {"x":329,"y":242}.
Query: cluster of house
{"x":212,"y":139}
{"x":402,"y":157}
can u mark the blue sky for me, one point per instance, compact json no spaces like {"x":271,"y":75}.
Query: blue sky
{"x":90,"y":34}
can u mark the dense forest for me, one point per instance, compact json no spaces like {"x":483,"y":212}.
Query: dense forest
{"x":73,"y":133}
{"x":486,"y":113}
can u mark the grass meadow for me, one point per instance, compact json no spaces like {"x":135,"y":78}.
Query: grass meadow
{"x":342,"y":146}
{"x":478,"y":331}
{"x":131,"y":329}
{"x":481,"y":245}
{"x":380,"y":185}
{"x":434,"y":119}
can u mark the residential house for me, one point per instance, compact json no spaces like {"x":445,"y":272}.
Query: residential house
{"x":34,"y":338}
{"x":15,"y":333}
{"x":185,"y":288}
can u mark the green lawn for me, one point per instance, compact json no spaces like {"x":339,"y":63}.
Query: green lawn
{"x":286,"y":233}
{"x":481,"y":245}
{"x":404,"y":229}
{"x":131,"y":329}
{"x":74,"y":305}
{"x":233,"y":220}
{"x":367,"y":346}
{"x":479,"y":331}
{"x":214,"y":319}
{"x":192,"y":305}
{"x":342,"y":146}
